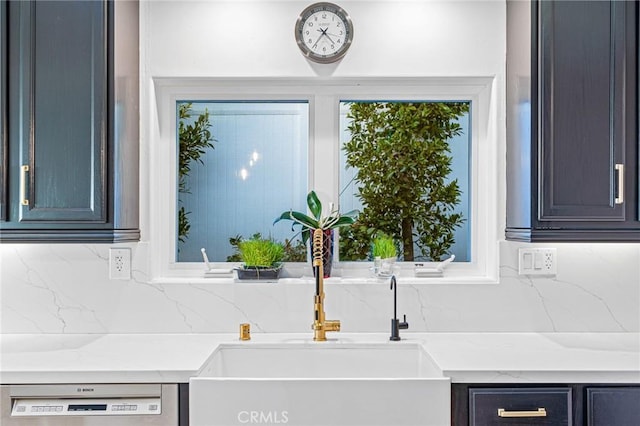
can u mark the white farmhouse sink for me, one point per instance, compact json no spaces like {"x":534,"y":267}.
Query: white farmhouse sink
{"x":320,"y":383}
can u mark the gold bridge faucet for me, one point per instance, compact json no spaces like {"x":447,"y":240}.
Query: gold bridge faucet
{"x":320,"y":325}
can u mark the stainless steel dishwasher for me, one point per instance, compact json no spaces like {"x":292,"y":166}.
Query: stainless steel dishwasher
{"x":89,"y":405}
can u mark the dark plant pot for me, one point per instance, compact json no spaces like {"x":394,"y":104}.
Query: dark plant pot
{"x":258,"y":273}
{"x":327,"y":252}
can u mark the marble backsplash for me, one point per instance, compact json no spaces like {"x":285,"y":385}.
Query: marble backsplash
{"x":66,"y":289}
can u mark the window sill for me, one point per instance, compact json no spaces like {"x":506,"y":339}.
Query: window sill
{"x":402,"y":280}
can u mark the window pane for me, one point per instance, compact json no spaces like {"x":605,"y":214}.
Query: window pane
{"x":256,"y":169}
{"x":407,"y":160}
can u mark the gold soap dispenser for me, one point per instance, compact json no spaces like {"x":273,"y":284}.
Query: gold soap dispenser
{"x":245,"y":331}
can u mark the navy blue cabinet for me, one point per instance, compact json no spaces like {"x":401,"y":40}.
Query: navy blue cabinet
{"x":4,"y":139}
{"x":70,"y":121}
{"x":520,"y":406}
{"x":572,"y":138}
{"x":511,"y":404}
{"x":613,"y":406}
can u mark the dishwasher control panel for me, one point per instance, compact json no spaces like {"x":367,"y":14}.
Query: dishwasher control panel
{"x":36,"y":407}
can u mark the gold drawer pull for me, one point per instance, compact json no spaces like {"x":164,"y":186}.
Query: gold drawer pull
{"x":541,"y":412}
{"x":23,"y":185}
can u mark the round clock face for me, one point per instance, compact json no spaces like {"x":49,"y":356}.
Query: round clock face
{"x":324,"y":32}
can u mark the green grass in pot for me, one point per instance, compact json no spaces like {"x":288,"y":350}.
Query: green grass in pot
{"x":261,"y":253}
{"x":384,"y":247}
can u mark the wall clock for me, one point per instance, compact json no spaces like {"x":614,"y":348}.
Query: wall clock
{"x":324,"y":32}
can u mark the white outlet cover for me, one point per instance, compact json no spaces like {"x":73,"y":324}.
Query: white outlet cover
{"x":120,"y":263}
{"x":537,"y":261}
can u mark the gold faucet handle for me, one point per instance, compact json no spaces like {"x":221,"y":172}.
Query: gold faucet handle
{"x":332,"y":325}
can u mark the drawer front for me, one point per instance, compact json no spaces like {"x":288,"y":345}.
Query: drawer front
{"x":613,"y":406}
{"x":520,"y":406}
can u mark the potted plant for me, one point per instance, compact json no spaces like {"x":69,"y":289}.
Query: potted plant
{"x":320,"y":220}
{"x":261,"y":257}
{"x":384,"y":254}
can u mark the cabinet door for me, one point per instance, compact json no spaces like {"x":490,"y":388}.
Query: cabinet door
{"x":520,"y":406}
{"x":613,"y":406}
{"x":4,"y":147}
{"x":572,"y":114}
{"x":581,"y":108}
{"x":58,"y":82}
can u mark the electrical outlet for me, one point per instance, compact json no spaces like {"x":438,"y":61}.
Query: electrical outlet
{"x":537,"y":261}
{"x":120,"y":263}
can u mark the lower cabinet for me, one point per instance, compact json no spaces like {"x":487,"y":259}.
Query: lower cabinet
{"x":545,"y":404}
{"x":613,"y":406}
{"x":520,"y":406}
{"x":183,"y":404}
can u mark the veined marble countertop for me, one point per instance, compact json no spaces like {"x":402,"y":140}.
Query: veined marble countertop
{"x":464,"y":357}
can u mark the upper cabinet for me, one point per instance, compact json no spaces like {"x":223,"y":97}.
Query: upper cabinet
{"x":572,"y":139}
{"x":69,"y":121}
{"x":4,"y":139}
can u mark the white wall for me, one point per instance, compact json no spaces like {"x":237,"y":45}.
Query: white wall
{"x":65,"y":288}
{"x":392,"y":38}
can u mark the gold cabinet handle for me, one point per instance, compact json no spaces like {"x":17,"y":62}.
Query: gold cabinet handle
{"x":24,"y":169}
{"x":620,"y":194}
{"x":540,"y":412}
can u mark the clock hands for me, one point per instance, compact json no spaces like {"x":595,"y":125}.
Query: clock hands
{"x":318,"y":39}
{"x":323,"y":33}
{"x":331,"y":34}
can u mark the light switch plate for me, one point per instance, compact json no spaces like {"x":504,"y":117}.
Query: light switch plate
{"x":537,"y":261}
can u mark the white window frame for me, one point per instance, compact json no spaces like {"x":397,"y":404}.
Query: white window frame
{"x":324,"y":96}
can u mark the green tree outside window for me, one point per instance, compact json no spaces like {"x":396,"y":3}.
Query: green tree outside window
{"x":401,"y":153}
{"x":195,"y":139}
